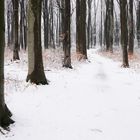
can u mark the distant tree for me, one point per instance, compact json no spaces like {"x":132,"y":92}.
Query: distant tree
{"x":35,"y":63}
{"x":124,"y":31}
{"x":67,"y":34}
{"x":109,"y":25}
{"x":131,"y":28}
{"x":89,"y":25}
{"x":101,"y":25}
{"x":94,"y":28}
{"x":23,"y":25}
{"x":16,"y":28}
{"x":81,"y":47}
{"x":46,"y":20}
{"x":5,"y":114}
{"x":138,"y":22}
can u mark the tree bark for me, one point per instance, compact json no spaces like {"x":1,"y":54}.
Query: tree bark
{"x":36,"y":69}
{"x":81,"y":47}
{"x":45,"y":12}
{"x":138,"y":23}
{"x":131,"y":28}
{"x":124,"y":31}
{"x":67,"y":35}
{"x":16,"y":37}
{"x":109,"y":25}
{"x":5,"y":114}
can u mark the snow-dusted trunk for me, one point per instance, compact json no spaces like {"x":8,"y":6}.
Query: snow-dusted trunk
{"x":124,"y":31}
{"x":5,"y":114}
{"x":35,"y":63}
{"x":81,"y":48}
{"x":131,"y":28}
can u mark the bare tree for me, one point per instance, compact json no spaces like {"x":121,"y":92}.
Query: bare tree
{"x":81,"y":47}
{"x":16,"y":27}
{"x":5,"y":113}
{"x":124,"y":31}
{"x":131,"y":28}
{"x":35,"y":67}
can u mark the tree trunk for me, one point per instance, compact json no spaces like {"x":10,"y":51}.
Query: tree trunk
{"x":5,"y":114}
{"x":45,"y":12}
{"x":131,"y":28}
{"x":67,"y":35}
{"x":89,"y":36}
{"x":138,"y":23}
{"x":16,"y":37}
{"x":81,"y":48}
{"x":109,"y":25}
{"x":101,"y":26}
{"x":36,"y":70}
{"x":124,"y":31}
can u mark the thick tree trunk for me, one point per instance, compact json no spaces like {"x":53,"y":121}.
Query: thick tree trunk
{"x":81,"y":47}
{"x":124,"y":31}
{"x":36,"y":70}
{"x":67,"y":37}
{"x":5,"y":114}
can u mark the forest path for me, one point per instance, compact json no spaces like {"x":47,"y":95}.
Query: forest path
{"x":95,"y":101}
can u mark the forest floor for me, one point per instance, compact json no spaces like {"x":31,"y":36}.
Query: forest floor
{"x":96,"y":100}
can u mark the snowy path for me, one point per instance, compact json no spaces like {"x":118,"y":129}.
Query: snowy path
{"x":96,"y":101}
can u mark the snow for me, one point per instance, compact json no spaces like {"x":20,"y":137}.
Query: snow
{"x":96,"y":100}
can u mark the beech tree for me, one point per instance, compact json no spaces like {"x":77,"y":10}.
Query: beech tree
{"x":81,"y":47}
{"x":124,"y":31}
{"x":131,"y":28}
{"x":109,"y":25}
{"x":138,"y":23}
{"x":16,"y":27}
{"x":35,"y":62}
{"x":67,"y":34}
{"x":5,"y":113}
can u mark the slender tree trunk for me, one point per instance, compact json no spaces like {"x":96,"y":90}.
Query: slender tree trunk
{"x":109,"y":25}
{"x":8,"y":25}
{"x":5,"y":114}
{"x":89,"y":25}
{"x":124,"y":31}
{"x":67,"y":35}
{"x":36,"y":70}
{"x":45,"y":23}
{"x":81,"y":47}
{"x":131,"y":28}
{"x":138,"y":23}
{"x":101,"y":29}
{"x":16,"y":37}
{"x":22,"y":24}
{"x":52,"y":26}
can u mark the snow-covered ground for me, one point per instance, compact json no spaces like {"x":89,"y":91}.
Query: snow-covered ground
{"x":94,"y":101}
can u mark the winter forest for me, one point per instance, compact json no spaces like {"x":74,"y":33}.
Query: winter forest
{"x":69,"y":69}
